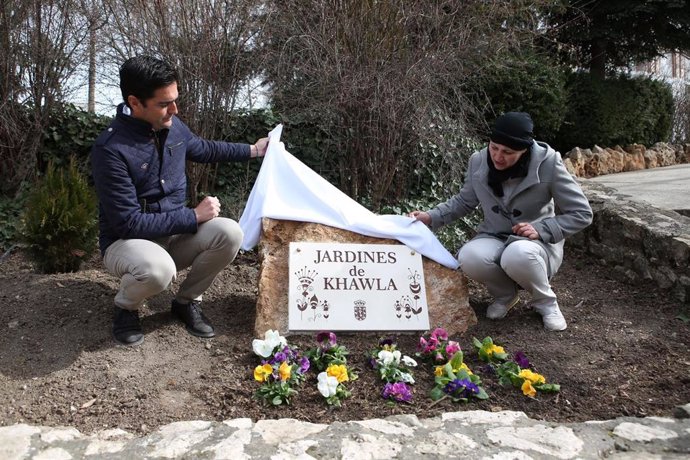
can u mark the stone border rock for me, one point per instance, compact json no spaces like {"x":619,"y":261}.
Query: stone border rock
{"x":466,"y":434}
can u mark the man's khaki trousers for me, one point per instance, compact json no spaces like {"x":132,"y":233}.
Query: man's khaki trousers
{"x":147,"y":267}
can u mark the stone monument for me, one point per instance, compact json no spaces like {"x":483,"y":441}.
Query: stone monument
{"x":447,"y":292}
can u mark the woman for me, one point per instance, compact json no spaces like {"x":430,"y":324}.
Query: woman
{"x":520,"y":184}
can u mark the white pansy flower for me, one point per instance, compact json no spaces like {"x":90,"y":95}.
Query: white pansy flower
{"x":409,"y":361}
{"x":387,"y":357}
{"x":327,"y":385}
{"x":265,"y":347}
{"x":407,"y":378}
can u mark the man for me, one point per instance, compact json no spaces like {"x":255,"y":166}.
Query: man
{"x":147,"y":233}
{"x":530,"y":205}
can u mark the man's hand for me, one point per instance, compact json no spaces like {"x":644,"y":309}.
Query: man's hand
{"x":207,"y":209}
{"x":525,"y":229}
{"x":421,"y":216}
{"x":259,"y":149}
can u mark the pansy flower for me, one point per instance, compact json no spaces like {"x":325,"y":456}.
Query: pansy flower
{"x":439,"y":334}
{"x":533,"y":377}
{"x":397,"y":391}
{"x":272,"y":339}
{"x":521,"y":359}
{"x":285,"y":370}
{"x":528,"y":389}
{"x":326,"y":340}
{"x":461,"y":388}
{"x":327,"y":385}
{"x":262,"y":372}
{"x":436,"y":347}
{"x":338,"y":371}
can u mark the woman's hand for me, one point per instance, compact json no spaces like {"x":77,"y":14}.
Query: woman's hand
{"x":421,"y":216}
{"x":525,"y":229}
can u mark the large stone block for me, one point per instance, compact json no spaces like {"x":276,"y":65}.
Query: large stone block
{"x":447,"y":292}
{"x":575,"y":162}
{"x":594,"y":161}
{"x":616,"y":160}
{"x":665,"y":154}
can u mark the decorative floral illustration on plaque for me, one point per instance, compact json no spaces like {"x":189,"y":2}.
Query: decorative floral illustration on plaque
{"x":306,"y":278}
{"x":408,"y":305}
{"x":360,"y":310}
{"x":325,"y":306}
{"x":309,"y":299}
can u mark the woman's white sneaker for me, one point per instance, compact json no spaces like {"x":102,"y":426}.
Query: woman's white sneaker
{"x":552,"y":317}
{"x":499,"y":309}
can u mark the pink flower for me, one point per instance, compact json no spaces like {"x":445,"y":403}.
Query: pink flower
{"x":440,"y":334}
{"x":452,"y":348}
{"x":422,"y":344}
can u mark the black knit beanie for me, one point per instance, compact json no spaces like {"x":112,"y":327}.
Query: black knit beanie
{"x":514,"y":130}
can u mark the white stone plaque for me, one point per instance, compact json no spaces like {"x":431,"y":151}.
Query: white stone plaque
{"x":356,"y":287}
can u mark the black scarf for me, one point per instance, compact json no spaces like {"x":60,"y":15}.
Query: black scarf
{"x":497,"y":177}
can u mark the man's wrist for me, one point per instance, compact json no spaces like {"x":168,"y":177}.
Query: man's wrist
{"x":253,"y":151}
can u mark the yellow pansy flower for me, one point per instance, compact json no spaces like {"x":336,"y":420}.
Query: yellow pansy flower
{"x":438,"y":371}
{"x":339,"y":371}
{"x":285,"y":370}
{"x":262,"y":372}
{"x":496,"y":349}
{"x":528,"y":389}
{"x":463,"y":367}
{"x":533,"y":377}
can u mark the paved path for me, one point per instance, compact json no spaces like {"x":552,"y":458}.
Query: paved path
{"x":665,"y":188}
{"x":469,"y":434}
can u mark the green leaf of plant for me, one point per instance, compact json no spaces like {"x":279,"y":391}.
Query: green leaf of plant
{"x":436,"y":393}
{"x":549,"y":387}
{"x":482,"y":394}
{"x":456,"y":360}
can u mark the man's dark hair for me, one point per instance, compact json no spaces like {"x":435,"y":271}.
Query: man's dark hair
{"x":141,"y":76}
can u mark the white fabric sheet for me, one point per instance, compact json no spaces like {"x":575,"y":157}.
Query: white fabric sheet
{"x":288,"y":189}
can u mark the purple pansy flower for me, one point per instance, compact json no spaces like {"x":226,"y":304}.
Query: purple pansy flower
{"x":326,"y":340}
{"x":461,"y":388}
{"x":386,"y":341}
{"x":397,"y":391}
{"x":521,"y":359}
{"x":278,"y":358}
{"x":303,"y":365}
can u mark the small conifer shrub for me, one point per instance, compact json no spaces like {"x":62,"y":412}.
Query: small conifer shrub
{"x":60,"y":222}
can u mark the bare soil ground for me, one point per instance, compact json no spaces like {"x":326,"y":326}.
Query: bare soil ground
{"x":625,"y":352}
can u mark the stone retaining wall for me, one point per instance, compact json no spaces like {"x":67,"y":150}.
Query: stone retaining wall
{"x":599,"y":161}
{"x":639,"y":242}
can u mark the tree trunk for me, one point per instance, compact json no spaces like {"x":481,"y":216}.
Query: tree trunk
{"x":91,"y":107}
{"x":597,"y":66}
